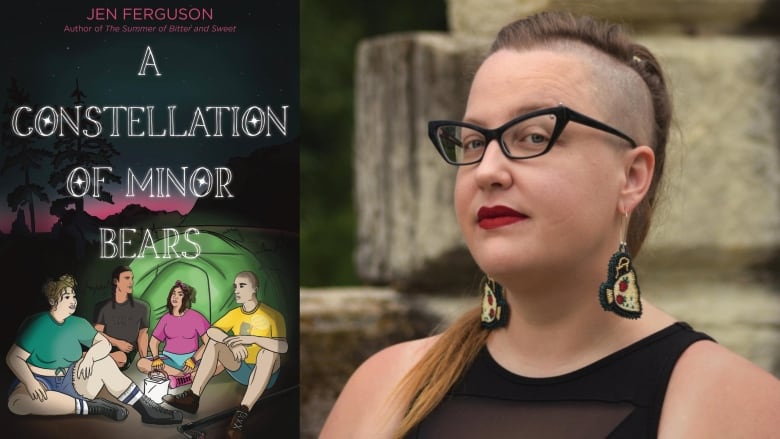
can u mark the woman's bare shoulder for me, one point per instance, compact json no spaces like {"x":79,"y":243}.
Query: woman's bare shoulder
{"x":365,"y":407}
{"x":714,"y":392}
{"x":387,"y":367}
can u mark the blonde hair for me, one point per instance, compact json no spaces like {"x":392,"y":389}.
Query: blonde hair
{"x":53,"y":288}
{"x":426,"y":384}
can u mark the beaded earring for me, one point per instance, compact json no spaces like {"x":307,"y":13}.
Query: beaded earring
{"x":620,"y":293}
{"x":495,"y":311}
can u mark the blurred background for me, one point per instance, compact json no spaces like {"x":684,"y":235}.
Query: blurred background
{"x":330,"y":32}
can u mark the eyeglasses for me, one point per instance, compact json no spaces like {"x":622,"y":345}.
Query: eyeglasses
{"x":528,"y":136}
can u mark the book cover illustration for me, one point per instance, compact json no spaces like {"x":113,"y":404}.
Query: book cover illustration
{"x":149,"y":219}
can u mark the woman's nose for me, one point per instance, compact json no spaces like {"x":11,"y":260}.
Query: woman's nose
{"x":493,"y":169}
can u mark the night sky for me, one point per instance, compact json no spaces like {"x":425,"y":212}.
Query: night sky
{"x":257,"y":65}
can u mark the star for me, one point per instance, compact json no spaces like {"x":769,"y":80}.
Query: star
{"x":202,"y":181}
{"x":78,"y":181}
{"x":254,"y":121}
{"x":47,"y":121}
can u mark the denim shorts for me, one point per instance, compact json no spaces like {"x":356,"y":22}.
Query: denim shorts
{"x":59,"y":383}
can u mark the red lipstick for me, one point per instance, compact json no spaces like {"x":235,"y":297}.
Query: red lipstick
{"x":492,"y":217}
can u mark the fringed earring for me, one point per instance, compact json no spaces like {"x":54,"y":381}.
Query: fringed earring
{"x":620,"y":293}
{"x":495,"y":311}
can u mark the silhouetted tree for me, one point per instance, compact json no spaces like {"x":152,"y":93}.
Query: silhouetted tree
{"x":71,"y":150}
{"x":19,"y":226}
{"x":21,"y":155}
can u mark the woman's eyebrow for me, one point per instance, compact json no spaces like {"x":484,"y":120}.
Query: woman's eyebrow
{"x":517,"y":112}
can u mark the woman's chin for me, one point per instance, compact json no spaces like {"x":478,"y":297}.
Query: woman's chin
{"x":496,"y":266}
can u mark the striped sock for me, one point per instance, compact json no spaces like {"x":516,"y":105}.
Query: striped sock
{"x":81,"y":407}
{"x":131,"y":395}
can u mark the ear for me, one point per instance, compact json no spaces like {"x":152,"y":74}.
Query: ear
{"x":639,"y":166}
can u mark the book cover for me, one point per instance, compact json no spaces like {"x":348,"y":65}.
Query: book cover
{"x":161,"y":141}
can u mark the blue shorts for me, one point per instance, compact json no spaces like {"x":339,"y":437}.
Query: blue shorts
{"x":176,"y":361}
{"x":61,"y":384}
{"x":242,"y":374}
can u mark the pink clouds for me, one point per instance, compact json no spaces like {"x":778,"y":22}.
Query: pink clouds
{"x":44,"y":221}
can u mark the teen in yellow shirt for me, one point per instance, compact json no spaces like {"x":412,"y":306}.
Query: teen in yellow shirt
{"x":251,"y":355}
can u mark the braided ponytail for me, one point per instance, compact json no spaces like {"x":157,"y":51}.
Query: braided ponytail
{"x":440,"y":368}
{"x":646,"y":65}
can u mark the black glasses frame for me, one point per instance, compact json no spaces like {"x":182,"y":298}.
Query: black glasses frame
{"x":563,"y":115}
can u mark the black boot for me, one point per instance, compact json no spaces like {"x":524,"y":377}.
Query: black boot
{"x":236,"y":427}
{"x":152,"y":413}
{"x":100,"y":406}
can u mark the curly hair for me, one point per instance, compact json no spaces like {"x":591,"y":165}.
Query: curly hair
{"x":53,"y":289}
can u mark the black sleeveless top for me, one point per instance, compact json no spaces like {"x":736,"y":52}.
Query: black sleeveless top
{"x":619,"y":396}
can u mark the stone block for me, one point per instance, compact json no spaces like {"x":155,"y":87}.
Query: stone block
{"x":341,"y":328}
{"x":741,"y":313}
{"x":403,"y":188}
{"x":721,"y":205}
{"x":479,"y":18}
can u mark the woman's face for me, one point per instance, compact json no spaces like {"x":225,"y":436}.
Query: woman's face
{"x":67,"y":301}
{"x":177,"y":298}
{"x":522,"y":216}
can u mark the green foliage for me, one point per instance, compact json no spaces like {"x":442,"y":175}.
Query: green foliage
{"x":330,"y":32}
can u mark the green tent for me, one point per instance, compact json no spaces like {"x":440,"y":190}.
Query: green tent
{"x":211,"y":274}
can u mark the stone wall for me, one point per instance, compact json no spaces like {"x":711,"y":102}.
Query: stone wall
{"x":713,"y":254}
{"x":482,"y":18}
